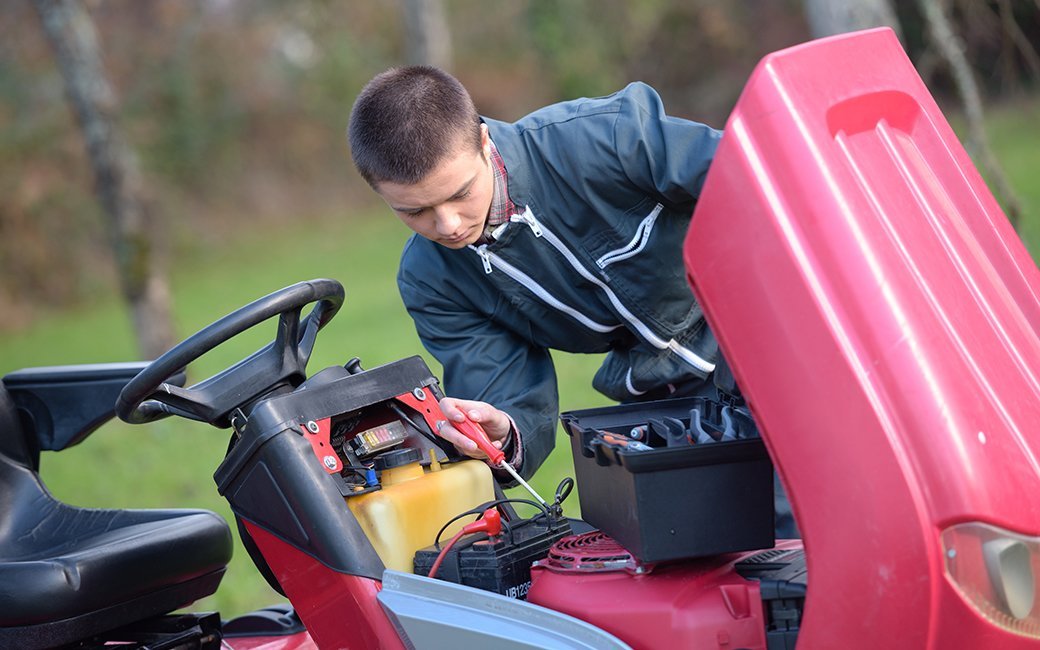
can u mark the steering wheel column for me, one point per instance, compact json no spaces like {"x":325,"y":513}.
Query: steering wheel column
{"x":151,"y":396}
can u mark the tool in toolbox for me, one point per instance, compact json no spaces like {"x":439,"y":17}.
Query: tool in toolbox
{"x":709,"y":422}
{"x":476,"y":433}
{"x":673,"y":431}
{"x":614,"y":439}
{"x":721,"y":422}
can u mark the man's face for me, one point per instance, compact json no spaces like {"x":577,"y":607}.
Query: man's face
{"x":451,"y":204}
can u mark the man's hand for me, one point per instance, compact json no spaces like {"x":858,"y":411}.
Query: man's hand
{"x":495,"y":423}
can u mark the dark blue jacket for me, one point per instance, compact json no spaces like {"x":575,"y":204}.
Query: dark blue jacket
{"x":593,"y":264}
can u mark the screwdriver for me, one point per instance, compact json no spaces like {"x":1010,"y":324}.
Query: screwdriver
{"x":476,"y":433}
{"x":625,"y":443}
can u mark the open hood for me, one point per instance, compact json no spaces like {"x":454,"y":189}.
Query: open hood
{"x":882,"y":317}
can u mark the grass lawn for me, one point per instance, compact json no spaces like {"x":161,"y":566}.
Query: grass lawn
{"x":170,"y":463}
{"x":1014,"y":131}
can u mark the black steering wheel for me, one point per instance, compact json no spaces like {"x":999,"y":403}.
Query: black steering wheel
{"x":149,"y":396}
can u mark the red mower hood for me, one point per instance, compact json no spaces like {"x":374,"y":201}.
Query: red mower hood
{"x":882,"y":318}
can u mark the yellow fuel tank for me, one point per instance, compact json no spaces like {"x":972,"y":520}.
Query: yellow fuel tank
{"x":415,"y":501}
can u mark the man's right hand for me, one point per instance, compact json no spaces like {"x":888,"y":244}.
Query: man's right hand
{"x":494,"y":422}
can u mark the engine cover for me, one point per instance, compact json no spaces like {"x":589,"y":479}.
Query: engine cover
{"x":702,"y":603}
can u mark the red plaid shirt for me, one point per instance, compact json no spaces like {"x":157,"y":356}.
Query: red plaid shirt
{"x":501,"y":207}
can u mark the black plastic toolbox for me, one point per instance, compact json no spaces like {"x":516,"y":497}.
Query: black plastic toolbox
{"x":669,"y":503}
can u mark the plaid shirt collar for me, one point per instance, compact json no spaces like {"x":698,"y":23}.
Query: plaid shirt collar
{"x":501,"y":207}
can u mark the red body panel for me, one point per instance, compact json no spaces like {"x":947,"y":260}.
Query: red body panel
{"x":301,"y":641}
{"x":339,"y":610}
{"x":882,"y":317}
{"x":694,"y":604}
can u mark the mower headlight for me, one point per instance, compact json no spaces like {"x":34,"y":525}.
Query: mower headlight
{"x":995,"y":570}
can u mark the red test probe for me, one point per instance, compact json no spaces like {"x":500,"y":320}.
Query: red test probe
{"x":476,"y":433}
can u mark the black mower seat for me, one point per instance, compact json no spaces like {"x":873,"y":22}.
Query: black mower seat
{"x":68,"y":573}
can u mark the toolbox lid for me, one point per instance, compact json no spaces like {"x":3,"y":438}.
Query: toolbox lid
{"x":882,"y":318}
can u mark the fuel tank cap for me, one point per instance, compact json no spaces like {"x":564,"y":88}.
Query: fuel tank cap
{"x":397,"y":458}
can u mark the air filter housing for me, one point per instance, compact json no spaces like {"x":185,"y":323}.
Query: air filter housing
{"x":590,"y":553}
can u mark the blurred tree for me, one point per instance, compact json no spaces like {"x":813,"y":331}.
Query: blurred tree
{"x":829,"y":17}
{"x":427,"y":38}
{"x":1016,"y":40}
{"x":118,"y":182}
{"x":944,"y":37}
{"x":995,"y":26}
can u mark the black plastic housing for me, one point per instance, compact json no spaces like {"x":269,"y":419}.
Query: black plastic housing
{"x":272,"y":478}
{"x":783,"y":581}
{"x":676,"y":502}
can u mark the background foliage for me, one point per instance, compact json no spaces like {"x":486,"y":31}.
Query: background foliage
{"x":238,"y":108}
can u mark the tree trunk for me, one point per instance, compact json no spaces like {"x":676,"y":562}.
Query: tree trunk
{"x":427,"y":37}
{"x":949,"y":45}
{"x":830,"y":17}
{"x":118,"y":182}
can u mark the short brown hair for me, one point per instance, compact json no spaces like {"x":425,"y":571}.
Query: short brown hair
{"x":406,"y":120}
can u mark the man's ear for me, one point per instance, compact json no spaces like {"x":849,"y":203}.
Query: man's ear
{"x":485,"y":141}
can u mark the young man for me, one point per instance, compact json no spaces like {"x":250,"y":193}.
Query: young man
{"x":562,"y":231}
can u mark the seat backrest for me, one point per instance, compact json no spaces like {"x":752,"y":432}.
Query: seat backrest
{"x":14,"y":441}
{"x":61,"y":405}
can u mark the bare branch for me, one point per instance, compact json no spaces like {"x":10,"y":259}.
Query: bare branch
{"x":927,"y":64}
{"x":1020,"y":40}
{"x":951,"y":49}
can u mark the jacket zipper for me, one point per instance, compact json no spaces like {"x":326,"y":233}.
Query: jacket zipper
{"x":637,"y":244}
{"x":648,"y":335}
{"x":491,"y":260}
{"x":528,"y":217}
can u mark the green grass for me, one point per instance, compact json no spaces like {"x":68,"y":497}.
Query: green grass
{"x":170,"y":463}
{"x":1014,"y":130}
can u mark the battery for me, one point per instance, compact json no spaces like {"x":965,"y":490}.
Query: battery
{"x":501,"y":564}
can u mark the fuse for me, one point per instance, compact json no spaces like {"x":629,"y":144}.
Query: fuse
{"x":379,"y":438}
